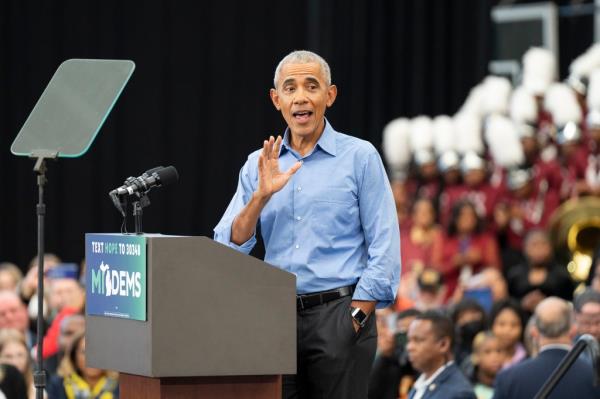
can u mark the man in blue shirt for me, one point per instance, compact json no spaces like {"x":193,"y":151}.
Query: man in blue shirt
{"x":327,"y":214}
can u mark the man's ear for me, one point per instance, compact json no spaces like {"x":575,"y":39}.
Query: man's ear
{"x":275,"y":98}
{"x":573,"y":331}
{"x":534,"y":332}
{"x":445,"y":345}
{"x":331,"y":95}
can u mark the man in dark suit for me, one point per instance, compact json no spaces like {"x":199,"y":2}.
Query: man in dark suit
{"x":430,"y":339}
{"x":554,"y":330}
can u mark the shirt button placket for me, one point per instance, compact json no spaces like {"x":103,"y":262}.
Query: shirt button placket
{"x":298,"y":218}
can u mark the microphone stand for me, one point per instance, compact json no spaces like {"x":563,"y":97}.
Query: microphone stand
{"x":142,"y":202}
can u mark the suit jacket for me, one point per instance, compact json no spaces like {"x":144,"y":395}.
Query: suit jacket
{"x":450,"y":384}
{"x":525,"y":379}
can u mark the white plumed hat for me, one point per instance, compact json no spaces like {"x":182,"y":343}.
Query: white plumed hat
{"x":523,"y":107}
{"x":539,"y":70}
{"x":593,"y":92}
{"x":474,"y":102}
{"x":396,"y":146}
{"x":443,"y":134}
{"x":496,"y":95}
{"x":503,"y":141}
{"x":562,"y":103}
{"x":582,"y":67}
{"x":421,"y":133}
{"x":467,"y":129}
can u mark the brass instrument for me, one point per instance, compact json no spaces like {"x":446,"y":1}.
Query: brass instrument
{"x":575,"y":228}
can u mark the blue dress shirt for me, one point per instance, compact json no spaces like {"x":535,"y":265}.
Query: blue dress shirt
{"x":333,"y":224}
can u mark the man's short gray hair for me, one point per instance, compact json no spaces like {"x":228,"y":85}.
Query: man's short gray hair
{"x":556,"y":327}
{"x":303,"y":57}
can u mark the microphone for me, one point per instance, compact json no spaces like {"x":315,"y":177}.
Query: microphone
{"x":155,"y":177}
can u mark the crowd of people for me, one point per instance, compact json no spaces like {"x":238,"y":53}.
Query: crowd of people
{"x":477,"y":195}
{"x":68,"y":375}
{"x":485,"y":307}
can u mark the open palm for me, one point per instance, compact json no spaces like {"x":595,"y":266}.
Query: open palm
{"x":270,"y":177}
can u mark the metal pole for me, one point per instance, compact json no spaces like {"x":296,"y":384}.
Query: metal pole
{"x":561,"y":370}
{"x":39,"y":375}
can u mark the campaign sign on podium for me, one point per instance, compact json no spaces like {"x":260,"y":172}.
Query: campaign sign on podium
{"x":116,"y":276}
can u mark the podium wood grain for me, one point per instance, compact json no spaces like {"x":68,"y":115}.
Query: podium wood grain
{"x":239,"y":387}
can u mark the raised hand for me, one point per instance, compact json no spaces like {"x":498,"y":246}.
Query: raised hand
{"x":270,"y":178}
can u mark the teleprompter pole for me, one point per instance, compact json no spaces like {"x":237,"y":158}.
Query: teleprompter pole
{"x":39,"y":375}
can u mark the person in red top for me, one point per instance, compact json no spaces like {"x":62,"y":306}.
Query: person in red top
{"x":466,"y":250}
{"x":573,"y":157}
{"x":589,"y":158}
{"x":416,"y":243}
{"x":426,"y":182}
{"x":476,"y":188}
{"x":528,"y":205}
{"x":417,"y":240}
{"x":542,"y":170}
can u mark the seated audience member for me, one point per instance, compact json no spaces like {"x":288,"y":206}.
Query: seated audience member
{"x":14,"y":351}
{"x":418,"y":240}
{"x":469,"y":320}
{"x":528,"y":205}
{"x":12,"y":383}
{"x":476,"y":189}
{"x":65,"y":297}
{"x":10,"y":276}
{"x":467,"y":251}
{"x":587,"y":313}
{"x":28,"y":288}
{"x":554,"y":330}
{"x":430,"y":340}
{"x":426,"y":181}
{"x":449,"y":167}
{"x":430,"y":291}
{"x":392,"y":375}
{"x":13,"y":314}
{"x":402,"y":201}
{"x":75,"y":380}
{"x":70,"y":327}
{"x":540,"y":276}
{"x":487,"y":360}
{"x":507,"y":323}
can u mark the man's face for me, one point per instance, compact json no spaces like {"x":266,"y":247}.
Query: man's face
{"x":538,"y":250}
{"x":588,"y":320}
{"x":73,"y":327}
{"x":302,"y":95}
{"x":530,"y":147}
{"x":64,"y":292}
{"x":425,"y":349}
{"x":13,"y":313}
{"x":474,"y":177}
{"x":7,"y":281}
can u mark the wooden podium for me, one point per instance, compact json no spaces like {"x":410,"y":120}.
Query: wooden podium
{"x":220,"y":324}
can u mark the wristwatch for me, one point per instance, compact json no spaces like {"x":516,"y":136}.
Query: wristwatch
{"x":359,"y":316}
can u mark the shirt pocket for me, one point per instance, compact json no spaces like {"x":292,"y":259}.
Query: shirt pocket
{"x":335,"y":212}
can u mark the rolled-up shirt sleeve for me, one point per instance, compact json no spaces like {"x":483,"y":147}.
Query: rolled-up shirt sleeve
{"x":379,"y":280}
{"x":242,"y":195}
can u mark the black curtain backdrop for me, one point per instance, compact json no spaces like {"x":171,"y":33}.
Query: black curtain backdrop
{"x":198,"y":98}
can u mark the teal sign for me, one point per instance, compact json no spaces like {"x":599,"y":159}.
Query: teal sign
{"x":115,"y":276}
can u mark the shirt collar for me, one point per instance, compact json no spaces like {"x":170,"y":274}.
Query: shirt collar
{"x":423,"y":383}
{"x":555,"y":346}
{"x":326,"y":142}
